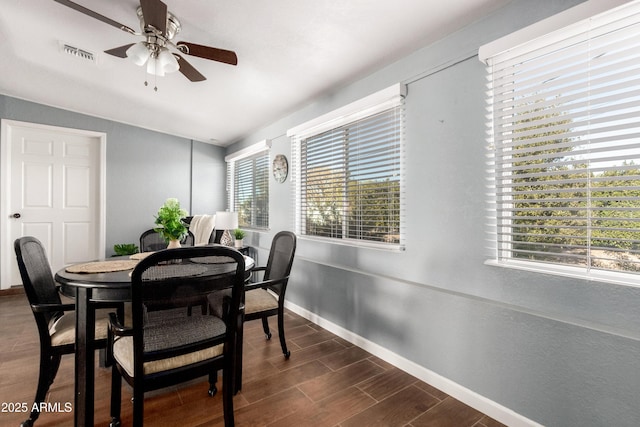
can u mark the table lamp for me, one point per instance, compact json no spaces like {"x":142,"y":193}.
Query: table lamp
{"x":226,"y":221}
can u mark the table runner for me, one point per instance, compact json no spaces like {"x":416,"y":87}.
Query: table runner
{"x":103,"y":266}
{"x":140,"y":255}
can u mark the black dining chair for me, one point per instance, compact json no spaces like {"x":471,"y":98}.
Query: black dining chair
{"x":166,"y":346}
{"x":151,"y":241}
{"x":55,"y":320}
{"x":265,"y":298}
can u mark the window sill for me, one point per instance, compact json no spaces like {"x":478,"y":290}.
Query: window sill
{"x":355,"y":243}
{"x":623,"y":279}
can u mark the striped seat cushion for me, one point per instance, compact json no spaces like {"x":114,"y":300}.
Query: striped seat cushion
{"x":165,"y":332}
{"x":63,"y":329}
{"x":256,"y":300}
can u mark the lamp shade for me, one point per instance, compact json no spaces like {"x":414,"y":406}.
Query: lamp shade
{"x":153,"y":67}
{"x":167,"y":62}
{"x":138,"y":53}
{"x":226,"y":220}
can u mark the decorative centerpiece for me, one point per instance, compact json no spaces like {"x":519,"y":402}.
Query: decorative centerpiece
{"x":170,"y":223}
{"x":238,"y":235}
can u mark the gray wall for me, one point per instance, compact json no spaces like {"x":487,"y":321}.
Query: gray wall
{"x":559,"y":351}
{"x":144,"y":168}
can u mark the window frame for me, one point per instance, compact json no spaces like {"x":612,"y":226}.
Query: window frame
{"x":356,"y":112}
{"x":252,"y":152}
{"x":569,"y":24}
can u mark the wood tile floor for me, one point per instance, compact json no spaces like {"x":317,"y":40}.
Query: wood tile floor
{"x":326,"y":382}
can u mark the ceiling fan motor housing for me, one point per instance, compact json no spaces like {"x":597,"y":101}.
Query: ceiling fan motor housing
{"x":173,"y":26}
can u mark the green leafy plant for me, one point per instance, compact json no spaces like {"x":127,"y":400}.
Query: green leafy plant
{"x":239,"y":234}
{"x":125,"y":249}
{"x":169,"y":220}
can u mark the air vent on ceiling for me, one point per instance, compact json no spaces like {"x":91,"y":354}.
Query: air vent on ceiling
{"x":77,"y":52}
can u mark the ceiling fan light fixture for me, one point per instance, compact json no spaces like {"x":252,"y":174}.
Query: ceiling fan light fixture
{"x":139,"y":53}
{"x":153,"y":67}
{"x":167,"y":61}
{"x":162,"y":62}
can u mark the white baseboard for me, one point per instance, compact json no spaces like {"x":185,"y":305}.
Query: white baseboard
{"x":494,"y":410}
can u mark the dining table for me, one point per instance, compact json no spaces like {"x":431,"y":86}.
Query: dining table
{"x":93,"y":284}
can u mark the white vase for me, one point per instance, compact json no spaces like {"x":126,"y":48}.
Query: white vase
{"x":175,"y":243}
{"x":239,"y":243}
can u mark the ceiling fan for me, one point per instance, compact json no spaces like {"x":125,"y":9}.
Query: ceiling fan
{"x":158,"y":51}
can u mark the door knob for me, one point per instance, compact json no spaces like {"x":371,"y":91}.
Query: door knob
{"x":16,"y":215}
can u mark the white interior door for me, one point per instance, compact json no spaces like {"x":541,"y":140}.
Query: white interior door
{"x":54,"y":192}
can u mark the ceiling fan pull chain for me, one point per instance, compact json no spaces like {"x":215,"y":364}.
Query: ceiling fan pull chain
{"x":146,"y":83}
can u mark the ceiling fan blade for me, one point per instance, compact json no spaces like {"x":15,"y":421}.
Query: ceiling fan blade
{"x":188,"y":71}
{"x":206,"y":52}
{"x":155,"y":14}
{"x":96,"y":15}
{"x":120,"y":52}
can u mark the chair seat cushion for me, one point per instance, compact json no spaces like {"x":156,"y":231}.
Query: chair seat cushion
{"x":258,"y":300}
{"x":163,"y":333}
{"x":255,"y":300}
{"x":63,"y":329}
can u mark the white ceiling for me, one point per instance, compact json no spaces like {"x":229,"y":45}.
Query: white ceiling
{"x":289,"y":51}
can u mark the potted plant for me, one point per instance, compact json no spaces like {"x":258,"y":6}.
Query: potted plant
{"x":122,"y":249}
{"x":170,"y":224}
{"x":238,"y":236}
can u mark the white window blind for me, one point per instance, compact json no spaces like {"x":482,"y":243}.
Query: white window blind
{"x":348,"y":177}
{"x":248,"y":182}
{"x":565,"y":146}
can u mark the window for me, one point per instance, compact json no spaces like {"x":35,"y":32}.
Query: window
{"x":347,"y":172}
{"x":565,"y":148}
{"x":248,"y":185}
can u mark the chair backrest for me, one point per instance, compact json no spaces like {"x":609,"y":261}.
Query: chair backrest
{"x":36,"y":275}
{"x":168,"y":281}
{"x":151,"y":241}
{"x":283,"y":249}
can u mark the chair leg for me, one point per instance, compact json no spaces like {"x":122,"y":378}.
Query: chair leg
{"x":54,"y":365}
{"x":116,"y":396}
{"x":239,"y":346}
{"x":103,"y":360}
{"x":213,"y":379}
{"x":120,"y":313}
{"x":227,"y":395}
{"x":265,"y":327}
{"x":138,"y":406}
{"x":48,"y":369}
{"x":283,"y":343}
{"x":204,"y":309}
